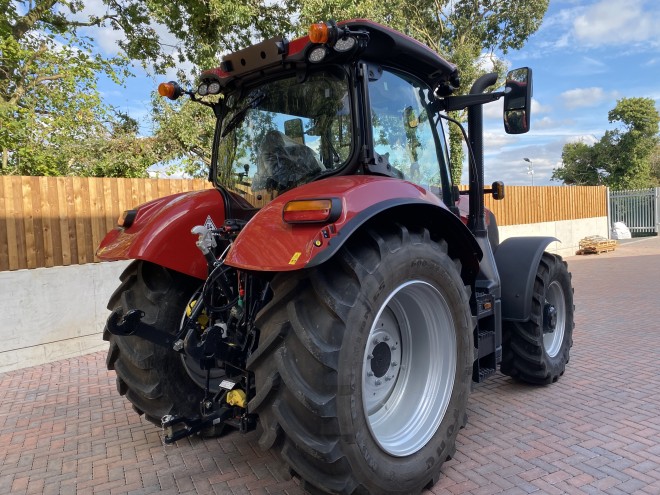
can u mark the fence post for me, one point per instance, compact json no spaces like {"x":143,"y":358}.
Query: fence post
{"x":657,"y":210}
{"x":609,"y":214}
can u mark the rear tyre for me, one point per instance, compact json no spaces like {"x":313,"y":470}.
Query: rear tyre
{"x":364,"y":365}
{"x":156,"y":380}
{"x":537,"y":350}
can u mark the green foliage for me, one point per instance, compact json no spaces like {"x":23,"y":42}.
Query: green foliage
{"x":52,"y":118}
{"x":184,"y":132}
{"x":624,"y":158}
{"x":655,"y":166}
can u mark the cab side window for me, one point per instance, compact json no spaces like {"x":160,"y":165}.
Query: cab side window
{"x":402,"y":131}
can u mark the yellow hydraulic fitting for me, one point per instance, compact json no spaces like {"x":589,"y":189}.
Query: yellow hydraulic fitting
{"x":202,"y":319}
{"x":237,"y":398}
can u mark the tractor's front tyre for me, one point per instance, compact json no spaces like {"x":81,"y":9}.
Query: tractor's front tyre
{"x":156,"y":380}
{"x":364,"y":365}
{"x":537,"y":351}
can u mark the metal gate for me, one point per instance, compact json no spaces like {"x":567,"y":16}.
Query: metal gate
{"x":639,"y":209}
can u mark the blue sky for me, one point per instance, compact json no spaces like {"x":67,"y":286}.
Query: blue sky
{"x":586,"y":55}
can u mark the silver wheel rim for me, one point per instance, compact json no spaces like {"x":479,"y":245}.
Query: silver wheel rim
{"x":409,"y":368}
{"x":552,"y":341}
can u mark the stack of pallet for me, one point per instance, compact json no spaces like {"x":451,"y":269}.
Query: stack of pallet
{"x":596,"y":244}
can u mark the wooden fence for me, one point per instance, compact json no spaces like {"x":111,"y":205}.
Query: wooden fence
{"x":55,"y":221}
{"x":527,"y":204}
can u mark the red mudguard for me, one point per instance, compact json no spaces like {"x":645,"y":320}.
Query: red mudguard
{"x":267,"y":243}
{"x":161,"y":234}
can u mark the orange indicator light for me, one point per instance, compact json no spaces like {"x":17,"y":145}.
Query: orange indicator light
{"x":309,"y":211}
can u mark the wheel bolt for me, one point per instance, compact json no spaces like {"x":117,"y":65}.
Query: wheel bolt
{"x":370,"y":356}
{"x":386,"y":338}
{"x":394,"y":363}
{"x":378,"y":382}
{"x":376,"y":341}
{"x":370,"y":373}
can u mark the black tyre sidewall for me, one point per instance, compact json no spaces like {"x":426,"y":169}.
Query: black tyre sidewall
{"x":524,"y":355}
{"x":556,"y":364}
{"x":163,"y":296}
{"x":388,"y":474}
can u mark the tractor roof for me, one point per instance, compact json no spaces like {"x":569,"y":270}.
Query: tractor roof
{"x":386,"y":46}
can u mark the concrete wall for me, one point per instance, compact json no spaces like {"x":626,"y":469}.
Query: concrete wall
{"x":48,"y":314}
{"x":569,"y":232}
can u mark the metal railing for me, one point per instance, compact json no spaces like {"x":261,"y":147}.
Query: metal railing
{"x":639,"y":209}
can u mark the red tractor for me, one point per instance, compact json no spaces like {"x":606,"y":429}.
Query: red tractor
{"x":349,"y":315}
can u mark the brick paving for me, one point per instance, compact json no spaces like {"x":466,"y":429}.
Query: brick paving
{"x":64,"y":429}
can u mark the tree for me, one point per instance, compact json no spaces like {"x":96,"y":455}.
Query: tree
{"x":579,"y":165}
{"x":623,"y":157}
{"x":184,"y":131}
{"x":49,"y":65}
{"x":48,"y":73}
{"x":655,"y":166}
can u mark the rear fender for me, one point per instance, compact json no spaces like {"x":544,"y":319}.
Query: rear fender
{"x":517,"y":260}
{"x":161,"y":234}
{"x":267,"y":243}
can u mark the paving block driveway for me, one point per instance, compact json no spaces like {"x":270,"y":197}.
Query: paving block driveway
{"x":64,"y":429}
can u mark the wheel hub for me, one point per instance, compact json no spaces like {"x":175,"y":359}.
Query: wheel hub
{"x":549,"y":318}
{"x":383,"y":359}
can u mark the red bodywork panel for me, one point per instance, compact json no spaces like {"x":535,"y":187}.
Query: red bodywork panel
{"x":161,"y":232}
{"x":267,"y":243}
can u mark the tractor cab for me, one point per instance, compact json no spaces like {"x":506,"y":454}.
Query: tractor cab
{"x":354,"y":98}
{"x":348,"y":99}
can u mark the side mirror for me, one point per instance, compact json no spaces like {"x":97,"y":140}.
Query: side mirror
{"x":518,"y":100}
{"x":497,"y":190}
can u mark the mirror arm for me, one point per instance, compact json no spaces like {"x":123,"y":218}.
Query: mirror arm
{"x":452,"y":103}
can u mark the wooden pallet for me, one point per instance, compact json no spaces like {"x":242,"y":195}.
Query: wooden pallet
{"x":596,"y":244}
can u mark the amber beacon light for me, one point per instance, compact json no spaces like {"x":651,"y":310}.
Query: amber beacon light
{"x":170,"y":90}
{"x":319,"y":33}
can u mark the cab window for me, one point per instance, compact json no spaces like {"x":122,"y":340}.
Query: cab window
{"x":403,"y":132}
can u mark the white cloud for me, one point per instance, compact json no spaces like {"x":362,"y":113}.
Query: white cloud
{"x":495,"y":140}
{"x":538,"y":108}
{"x":544,"y":123}
{"x":494,"y":110}
{"x":588,"y":139}
{"x":586,"y":97}
{"x":618,"y":22}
